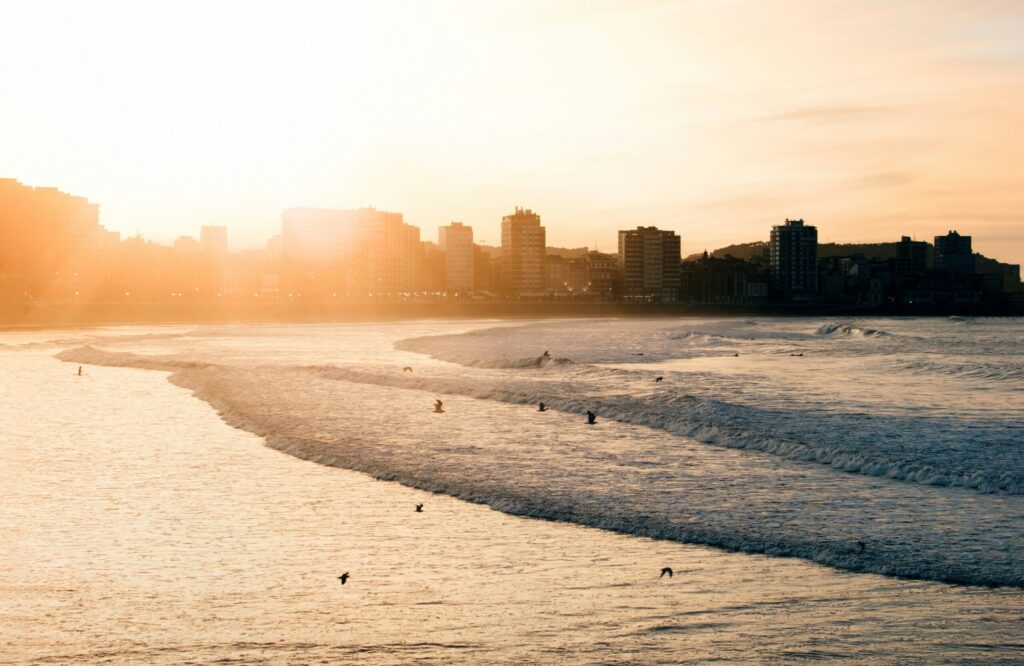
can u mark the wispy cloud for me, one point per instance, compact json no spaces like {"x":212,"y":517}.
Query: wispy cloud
{"x":828,"y":113}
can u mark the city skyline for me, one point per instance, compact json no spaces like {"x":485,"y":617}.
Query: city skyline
{"x":694,"y":117}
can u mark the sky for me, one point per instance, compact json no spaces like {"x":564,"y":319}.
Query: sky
{"x":870,"y":119}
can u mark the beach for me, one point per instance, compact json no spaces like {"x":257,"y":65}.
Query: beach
{"x":141,"y":526}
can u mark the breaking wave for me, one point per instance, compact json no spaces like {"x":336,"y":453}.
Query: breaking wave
{"x":990,"y":470}
{"x":664,"y":488}
{"x":851,"y":330}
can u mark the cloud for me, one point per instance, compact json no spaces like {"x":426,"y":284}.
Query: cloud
{"x":892,"y":179}
{"x":828,"y":114}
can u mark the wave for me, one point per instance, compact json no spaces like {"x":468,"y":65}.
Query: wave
{"x":652,"y":487}
{"x":850,"y":330}
{"x":708,"y":421}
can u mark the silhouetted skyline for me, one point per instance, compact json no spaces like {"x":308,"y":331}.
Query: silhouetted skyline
{"x":883,"y":119}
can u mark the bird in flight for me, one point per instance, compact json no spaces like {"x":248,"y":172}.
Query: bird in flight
{"x":666,"y":570}
{"x":343,"y":578}
{"x":658,"y":379}
{"x":419,"y":508}
{"x":407,"y":369}
{"x":438,"y":406}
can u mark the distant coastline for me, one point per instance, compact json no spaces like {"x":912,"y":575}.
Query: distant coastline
{"x":48,"y":315}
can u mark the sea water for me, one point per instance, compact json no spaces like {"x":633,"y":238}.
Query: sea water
{"x":765,"y":438}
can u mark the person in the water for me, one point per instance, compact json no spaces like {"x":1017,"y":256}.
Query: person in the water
{"x":438,"y":407}
{"x":542,"y":408}
{"x":591,"y":417}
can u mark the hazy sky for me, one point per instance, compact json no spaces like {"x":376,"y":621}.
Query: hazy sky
{"x":870,"y":119}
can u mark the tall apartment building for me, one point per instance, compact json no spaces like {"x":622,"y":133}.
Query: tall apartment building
{"x":911,"y":256}
{"x":953,"y":253}
{"x":456,"y":241}
{"x":213,"y":240}
{"x":51,"y":242}
{"x":523,"y":243}
{"x":362,"y":253}
{"x":793,"y":258}
{"x":650,"y":261}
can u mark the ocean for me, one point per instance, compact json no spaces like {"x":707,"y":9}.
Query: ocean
{"x":824,"y":489}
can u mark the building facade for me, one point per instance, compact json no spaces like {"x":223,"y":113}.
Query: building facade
{"x":523,"y":242}
{"x":911,"y":256}
{"x":650,"y":260}
{"x":456,"y":241}
{"x":793,"y":258}
{"x":357,"y":254}
{"x":213,"y":240}
{"x":953,"y":254}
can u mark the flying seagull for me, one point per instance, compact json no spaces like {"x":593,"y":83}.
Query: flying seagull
{"x":343,"y":578}
{"x":407,"y":369}
{"x":419,"y":508}
{"x":666,"y":570}
{"x":438,"y":407}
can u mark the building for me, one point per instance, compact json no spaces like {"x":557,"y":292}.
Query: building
{"x":523,"y":243}
{"x":793,"y":258}
{"x":51,"y":242}
{"x":953,"y":254}
{"x":603,"y":274}
{"x":456,"y":241}
{"x":356,"y":254}
{"x":213,"y":240}
{"x":911,"y":257}
{"x":650,"y":261}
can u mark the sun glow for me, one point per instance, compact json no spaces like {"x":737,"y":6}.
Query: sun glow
{"x":713,"y":119}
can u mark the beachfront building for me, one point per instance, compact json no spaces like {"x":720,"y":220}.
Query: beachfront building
{"x":522,"y":253}
{"x":911,"y":257}
{"x":793,"y":258}
{"x":358,"y":254}
{"x":953,"y":254}
{"x":650,"y":261}
{"x":213,"y":240}
{"x":456,"y":241}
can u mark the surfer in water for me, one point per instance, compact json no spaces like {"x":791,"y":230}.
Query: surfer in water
{"x":79,"y":371}
{"x":438,"y":407}
{"x":542,"y":407}
{"x":591,"y":417}
{"x":546,"y":355}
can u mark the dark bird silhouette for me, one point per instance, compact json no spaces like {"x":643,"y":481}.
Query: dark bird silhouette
{"x":666,"y":570}
{"x":343,"y":578}
{"x":861,"y":545}
{"x":438,"y":407}
{"x":658,"y":379}
{"x":79,"y":371}
{"x":800,"y":354}
{"x":407,"y":369}
{"x":419,"y":508}
{"x":542,"y":407}
{"x":591,"y":417}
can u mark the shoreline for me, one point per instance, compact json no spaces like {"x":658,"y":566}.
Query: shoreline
{"x":43,"y":316}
